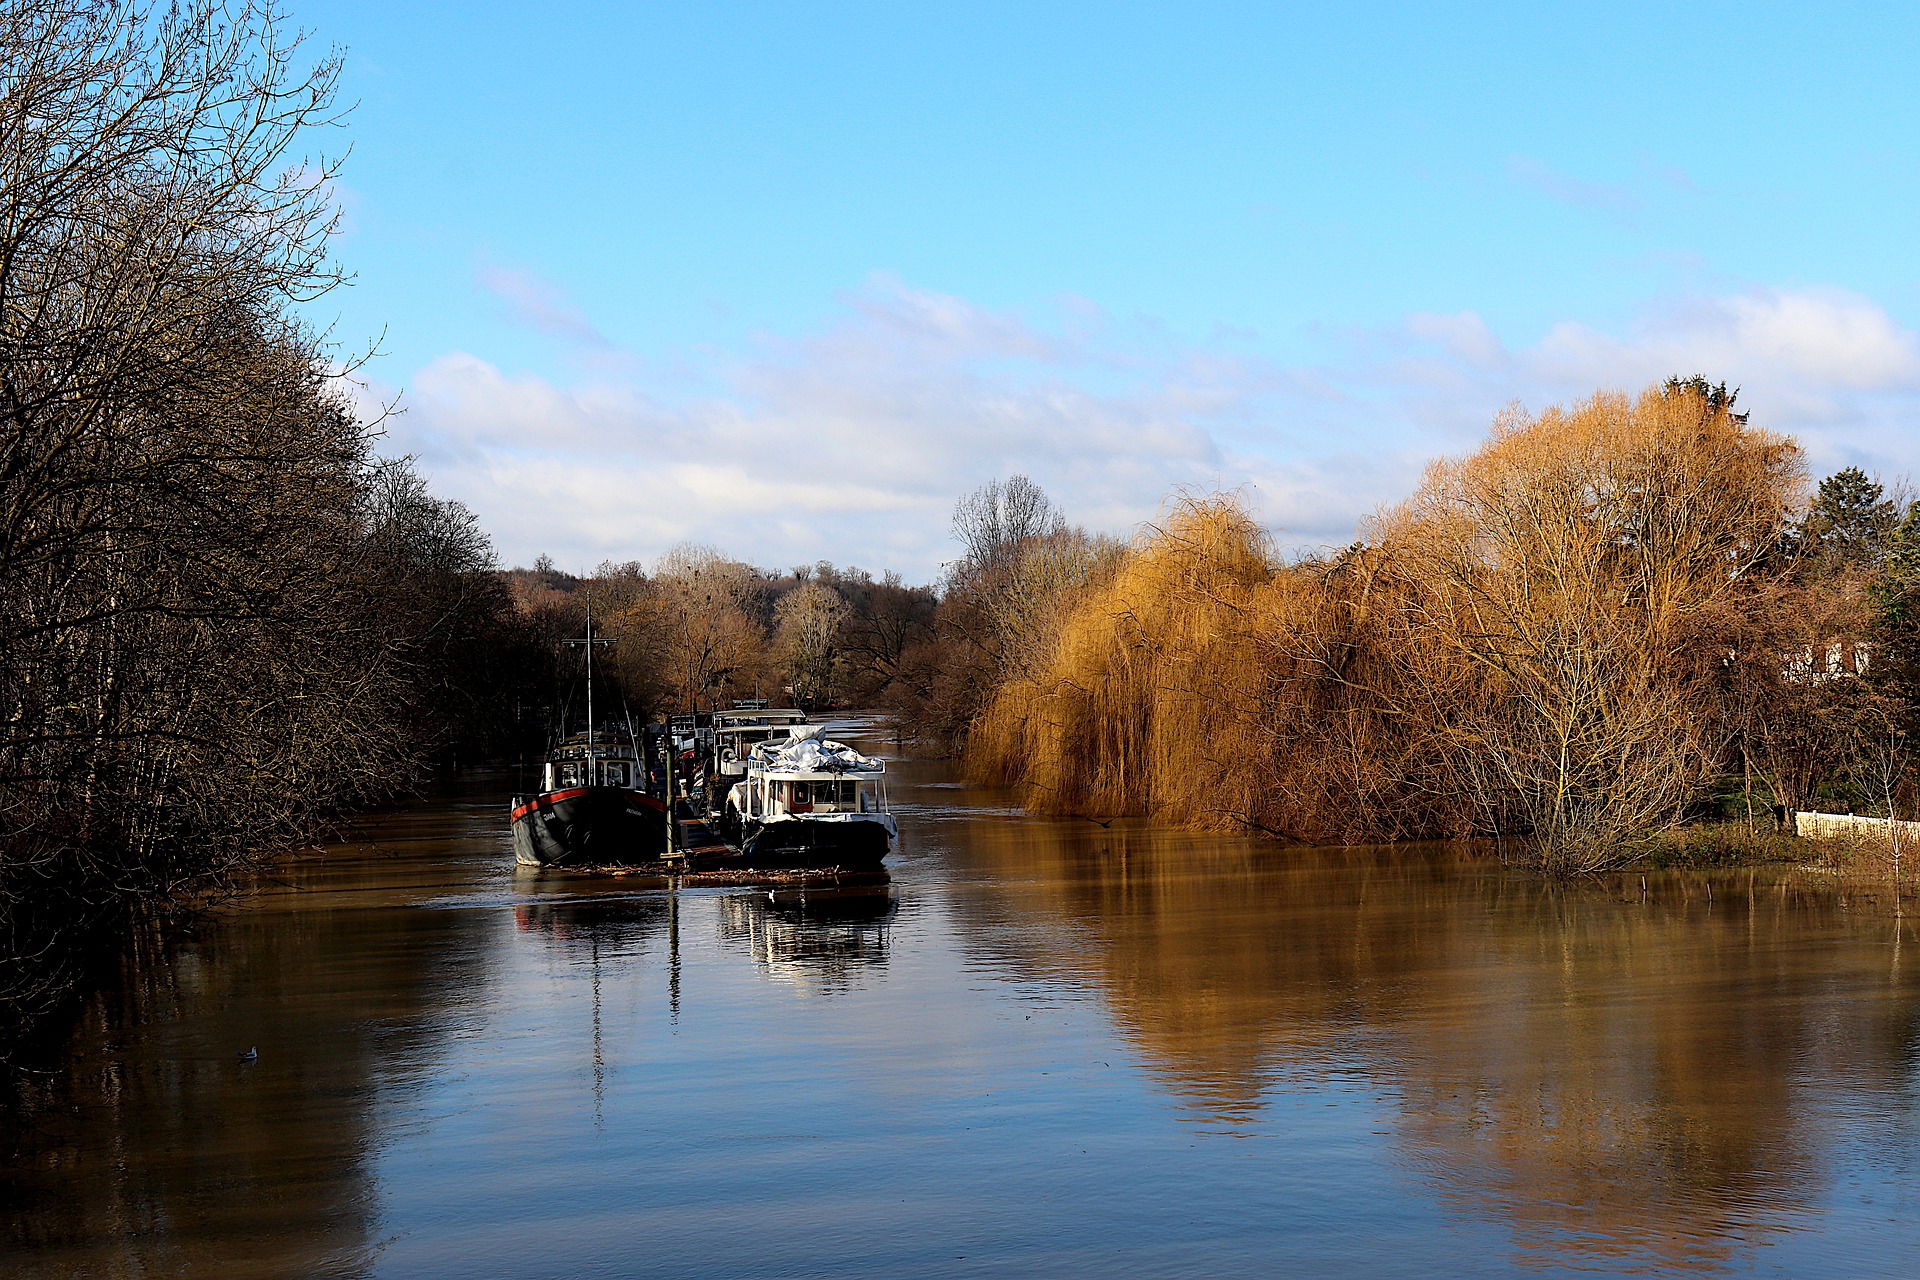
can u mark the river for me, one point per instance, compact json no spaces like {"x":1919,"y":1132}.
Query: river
{"x":1045,"y":1048}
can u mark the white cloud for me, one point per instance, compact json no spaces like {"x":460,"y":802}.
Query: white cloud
{"x":848,"y":444}
{"x":1464,"y":335}
{"x":851,"y":443}
{"x":540,"y":303}
{"x":1821,"y":337}
{"x":1831,"y":367}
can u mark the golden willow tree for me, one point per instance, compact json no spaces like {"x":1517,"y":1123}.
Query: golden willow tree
{"x":1544,"y":640}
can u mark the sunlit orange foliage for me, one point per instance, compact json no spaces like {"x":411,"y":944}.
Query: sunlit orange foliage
{"x":1532,"y":643}
{"x":1151,"y":680}
{"x":1569,"y":588}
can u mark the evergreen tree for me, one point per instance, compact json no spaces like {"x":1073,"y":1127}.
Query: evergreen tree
{"x":1897,"y":593}
{"x":1714,"y":396}
{"x":1851,"y":522}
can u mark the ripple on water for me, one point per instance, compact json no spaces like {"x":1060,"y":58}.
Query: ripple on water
{"x":1046,"y":1047}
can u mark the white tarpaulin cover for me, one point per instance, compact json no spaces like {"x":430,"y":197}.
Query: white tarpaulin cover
{"x":805,"y":751}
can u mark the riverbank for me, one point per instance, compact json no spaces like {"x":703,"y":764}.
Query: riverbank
{"x":1858,"y":858}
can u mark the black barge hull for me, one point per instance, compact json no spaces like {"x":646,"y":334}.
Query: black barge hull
{"x":588,"y":824}
{"x":800,"y":845}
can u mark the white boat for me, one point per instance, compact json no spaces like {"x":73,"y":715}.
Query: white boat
{"x":809,"y":801}
{"x":731,"y":739}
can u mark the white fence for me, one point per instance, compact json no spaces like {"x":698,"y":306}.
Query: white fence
{"x":1854,"y":826}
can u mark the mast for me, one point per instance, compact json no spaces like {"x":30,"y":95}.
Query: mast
{"x":673,"y":799}
{"x":590,"y":640}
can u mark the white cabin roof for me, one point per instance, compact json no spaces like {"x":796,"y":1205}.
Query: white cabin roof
{"x":818,"y":775}
{"x":761,"y":716}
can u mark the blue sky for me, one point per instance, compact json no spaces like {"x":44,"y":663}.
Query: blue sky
{"x":789,"y":278}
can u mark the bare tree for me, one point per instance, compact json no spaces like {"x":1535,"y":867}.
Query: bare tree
{"x":995,"y":519}
{"x":224,"y":619}
{"x":807,"y":641}
{"x":695,"y":627}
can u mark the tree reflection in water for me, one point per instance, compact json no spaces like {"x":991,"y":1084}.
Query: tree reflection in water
{"x":1622,"y":1079}
{"x":1055,"y":1048}
{"x":212,"y":1166}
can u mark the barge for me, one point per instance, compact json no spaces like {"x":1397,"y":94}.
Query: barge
{"x":593,"y":804}
{"x":807,"y":801}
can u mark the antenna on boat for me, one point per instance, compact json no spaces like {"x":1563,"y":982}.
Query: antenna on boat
{"x":589,"y":640}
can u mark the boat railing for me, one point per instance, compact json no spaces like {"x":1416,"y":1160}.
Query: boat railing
{"x":859,"y":793}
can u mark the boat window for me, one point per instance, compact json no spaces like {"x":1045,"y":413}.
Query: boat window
{"x":614,"y":773}
{"x":571,"y":774}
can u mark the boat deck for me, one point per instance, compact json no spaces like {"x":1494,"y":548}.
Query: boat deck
{"x":696,"y":838}
{"x":702,"y":857}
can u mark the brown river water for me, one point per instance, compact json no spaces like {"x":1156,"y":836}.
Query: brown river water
{"x":1045,"y":1048}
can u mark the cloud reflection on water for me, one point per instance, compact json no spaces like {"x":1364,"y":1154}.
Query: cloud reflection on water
{"x":1620,"y":1082}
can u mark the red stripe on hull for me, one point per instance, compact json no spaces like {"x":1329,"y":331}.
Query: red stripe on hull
{"x":554,"y":797}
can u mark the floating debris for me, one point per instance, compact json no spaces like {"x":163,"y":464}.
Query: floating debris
{"x":730,"y":875}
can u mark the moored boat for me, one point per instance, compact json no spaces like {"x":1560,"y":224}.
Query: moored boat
{"x":590,"y":807}
{"x":593,"y":804}
{"x":731,"y":740}
{"x":807,"y":801}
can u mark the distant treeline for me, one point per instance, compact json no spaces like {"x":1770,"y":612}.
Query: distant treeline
{"x":1610,"y":619}
{"x":226,"y":618}
{"x":698,"y":630}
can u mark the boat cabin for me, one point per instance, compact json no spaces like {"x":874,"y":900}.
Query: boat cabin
{"x":817,"y":795}
{"x":773,"y":790}
{"x":806,"y":800}
{"x":607,"y":761}
{"x":757,"y":717}
{"x":735,"y":734}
